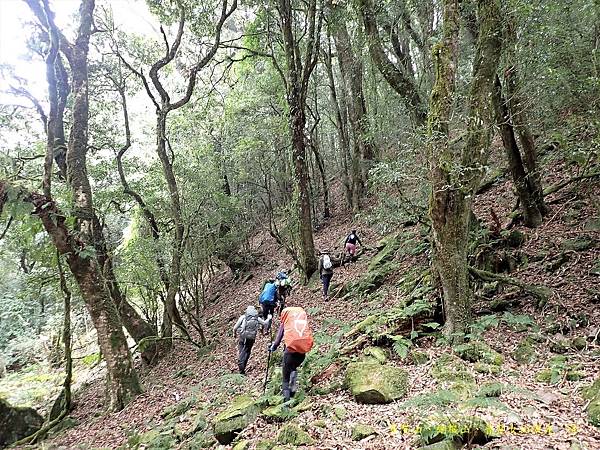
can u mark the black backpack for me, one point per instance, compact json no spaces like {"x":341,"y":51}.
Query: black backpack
{"x":249,"y":327}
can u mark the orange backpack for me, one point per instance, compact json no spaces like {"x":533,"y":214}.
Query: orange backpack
{"x":297,"y":333}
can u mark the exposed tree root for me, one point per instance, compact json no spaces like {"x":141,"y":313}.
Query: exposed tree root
{"x":542,"y":293}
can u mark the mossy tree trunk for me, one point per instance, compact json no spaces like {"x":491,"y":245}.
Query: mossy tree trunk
{"x":455,"y":175}
{"x":299,"y":64}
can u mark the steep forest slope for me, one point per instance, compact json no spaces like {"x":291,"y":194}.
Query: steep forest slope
{"x":517,"y":384}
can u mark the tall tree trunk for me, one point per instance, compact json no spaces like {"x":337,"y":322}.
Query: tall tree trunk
{"x":298,"y":71}
{"x":531,"y":214}
{"x":342,"y":133}
{"x":175,"y":206}
{"x":351,"y":68}
{"x":454,"y":181}
{"x":122,"y":381}
{"x":518,"y":112}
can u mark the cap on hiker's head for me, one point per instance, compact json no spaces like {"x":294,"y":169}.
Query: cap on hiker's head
{"x":251,"y":310}
{"x":354,"y":230}
{"x":324,"y":251}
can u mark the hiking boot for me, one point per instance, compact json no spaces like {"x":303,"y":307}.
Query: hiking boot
{"x":293,"y":382}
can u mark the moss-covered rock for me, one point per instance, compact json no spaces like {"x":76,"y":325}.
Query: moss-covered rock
{"x":200,"y":440}
{"x":388,"y":247}
{"x":156,"y":439}
{"x":479,"y":351}
{"x":592,"y":393}
{"x":179,"y":408}
{"x":560,"y":345}
{"x":242,"y":445}
{"x":578,"y":244}
{"x":450,"y":368}
{"x":294,"y":435}
{"x":241,"y":413}
{"x":579,"y":343}
{"x":17,"y":423}
{"x":360,"y":432}
{"x":457,"y":428}
{"x":377,"y":353}
{"x":374,"y":383}
{"x":525,"y":352}
{"x":446,"y":444}
{"x":265,"y":444}
{"x":489,"y":369}
{"x":278,"y":413}
{"x":418,"y":357}
{"x":492,"y":389}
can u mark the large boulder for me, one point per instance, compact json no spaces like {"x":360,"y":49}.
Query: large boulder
{"x":241,"y":413}
{"x":17,"y":423}
{"x":373,"y":383}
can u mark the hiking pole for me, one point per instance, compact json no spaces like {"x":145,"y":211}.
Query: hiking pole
{"x":267,"y":373}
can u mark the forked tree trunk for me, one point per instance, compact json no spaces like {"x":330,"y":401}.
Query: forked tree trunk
{"x":532,"y":216}
{"x":516,"y":104}
{"x":454,"y":180}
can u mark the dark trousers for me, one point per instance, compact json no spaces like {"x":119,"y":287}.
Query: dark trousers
{"x":244,"y":349}
{"x":291,"y":362}
{"x":326,"y":279}
{"x":268,"y":308}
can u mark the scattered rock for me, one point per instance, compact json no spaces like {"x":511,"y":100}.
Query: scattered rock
{"x":592,"y":393}
{"x":360,"y":432}
{"x":340,"y":412}
{"x":17,"y":423}
{"x":200,"y":440}
{"x":241,"y":413}
{"x":179,"y":408}
{"x":479,"y":351}
{"x":578,"y":244}
{"x":294,"y":435}
{"x":374,"y":383}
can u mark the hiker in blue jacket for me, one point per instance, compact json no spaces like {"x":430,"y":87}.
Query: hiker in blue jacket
{"x":268,"y":300}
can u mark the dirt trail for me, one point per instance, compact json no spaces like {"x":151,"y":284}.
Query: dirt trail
{"x":559,"y":408}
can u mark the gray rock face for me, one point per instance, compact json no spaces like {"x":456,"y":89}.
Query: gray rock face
{"x":17,"y":423}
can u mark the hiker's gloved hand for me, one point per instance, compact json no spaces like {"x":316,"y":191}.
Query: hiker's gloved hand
{"x":271,"y":348}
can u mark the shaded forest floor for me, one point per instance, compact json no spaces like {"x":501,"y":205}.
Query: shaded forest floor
{"x":528,"y":413}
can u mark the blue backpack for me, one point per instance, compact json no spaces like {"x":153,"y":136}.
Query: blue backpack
{"x":268,"y":293}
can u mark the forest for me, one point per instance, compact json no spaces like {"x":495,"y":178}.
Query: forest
{"x":414,"y":184}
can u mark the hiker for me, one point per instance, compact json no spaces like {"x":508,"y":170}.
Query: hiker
{"x":325,"y":272}
{"x":284,"y":287}
{"x":295,"y":331}
{"x":268,"y":300}
{"x":350,"y":243}
{"x":247,"y":327}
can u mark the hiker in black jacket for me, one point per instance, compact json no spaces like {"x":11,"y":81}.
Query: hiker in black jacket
{"x":352,"y":240}
{"x":247,"y":327}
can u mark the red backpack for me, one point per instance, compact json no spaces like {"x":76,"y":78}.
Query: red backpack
{"x":297,"y":335}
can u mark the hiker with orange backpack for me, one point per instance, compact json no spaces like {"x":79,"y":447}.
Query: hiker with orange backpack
{"x":296,"y":333}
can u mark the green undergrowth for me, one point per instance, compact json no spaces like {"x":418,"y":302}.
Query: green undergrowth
{"x":33,"y":386}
